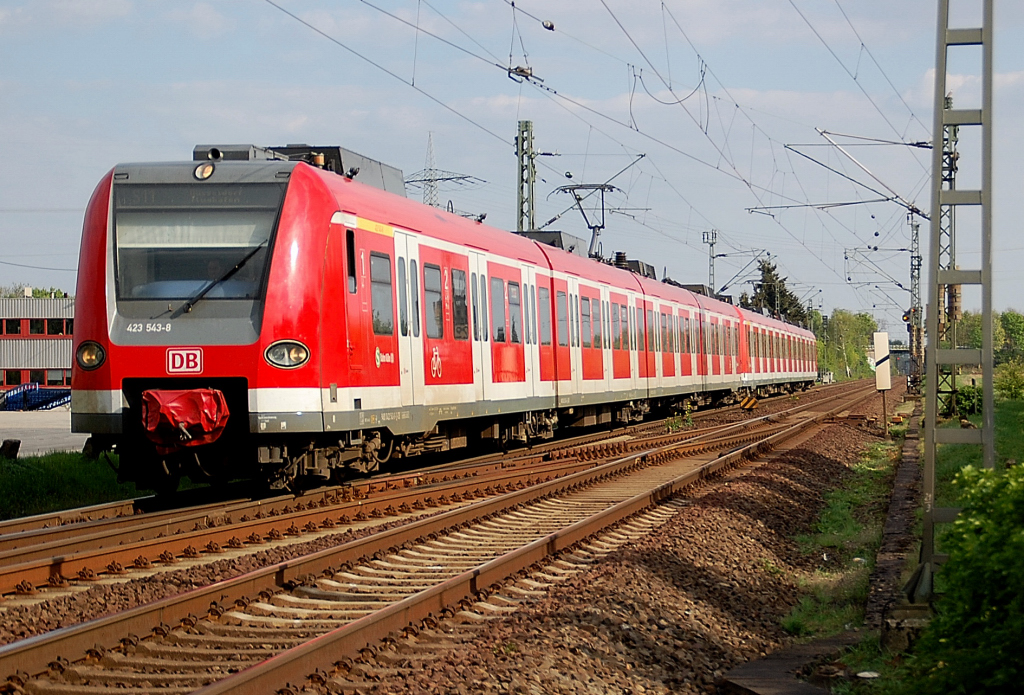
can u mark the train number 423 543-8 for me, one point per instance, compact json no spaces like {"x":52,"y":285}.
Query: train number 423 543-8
{"x":139,"y":327}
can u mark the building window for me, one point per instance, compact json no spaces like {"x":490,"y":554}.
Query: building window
{"x":54,"y":326}
{"x":12,"y":326}
{"x":36,"y":326}
{"x":12,"y":377}
{"x":54,"y":377}
{"x":38,"y":376}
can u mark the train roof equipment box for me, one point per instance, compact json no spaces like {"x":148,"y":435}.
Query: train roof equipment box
{"x":336,"y":159}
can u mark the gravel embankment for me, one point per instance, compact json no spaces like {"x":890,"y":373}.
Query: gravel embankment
{"x":675,"y":611}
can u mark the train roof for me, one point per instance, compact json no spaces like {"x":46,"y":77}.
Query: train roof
{"x":403,"y":213}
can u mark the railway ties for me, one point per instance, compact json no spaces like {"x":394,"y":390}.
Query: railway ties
{"x":426,"y":566}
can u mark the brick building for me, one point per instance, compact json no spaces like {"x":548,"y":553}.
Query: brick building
{"x":36,"y":342}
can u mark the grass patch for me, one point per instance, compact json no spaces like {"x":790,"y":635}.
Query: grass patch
{"x":950,"y":458}
{"x":846,"y":537}
{"x":39,"y":484}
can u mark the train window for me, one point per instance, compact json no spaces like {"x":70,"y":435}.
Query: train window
{"x":515,"y":313}
{"x":616,"y":329}
{"x":433,"y":301}
{"x":533,"y":314}
{"x":476,"y":316}
{"x":585,"y":321}
{"x":381,"y":294}
{"x":483,"y":307}
{"x":498,"y":310}
{"x":526,"y":314}
{"x":545,"y":315}
{"x":563,"y":319}
{"x":403,"y":298}
{"x":624,"y":325}
{"x":598,"y":327}
{"x":414,"y":293}
{"x":350,"y":250}
{"x":460,"y":312}
{"x":664,"y":332}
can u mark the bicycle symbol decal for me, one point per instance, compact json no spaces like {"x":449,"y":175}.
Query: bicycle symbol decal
{"x":435,"y":364}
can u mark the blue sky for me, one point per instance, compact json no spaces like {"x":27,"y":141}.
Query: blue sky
{"x":721,"y":96}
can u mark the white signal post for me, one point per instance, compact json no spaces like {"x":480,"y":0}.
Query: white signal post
{"x":883,"y":378}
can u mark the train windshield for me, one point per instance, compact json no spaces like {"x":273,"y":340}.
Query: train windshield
{"x":172,"y":240}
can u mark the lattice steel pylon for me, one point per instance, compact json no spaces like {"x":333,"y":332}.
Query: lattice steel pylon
{"x":915,"y":327}
{"x":936,"y":356}
{"x":526,"y":214}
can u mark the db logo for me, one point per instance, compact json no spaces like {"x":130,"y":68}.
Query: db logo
{"x":184,"y":360}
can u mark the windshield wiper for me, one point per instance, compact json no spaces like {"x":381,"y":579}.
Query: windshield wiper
{"x":191,"y":302}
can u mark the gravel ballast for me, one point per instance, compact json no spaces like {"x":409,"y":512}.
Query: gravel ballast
{"x":675,"y":611}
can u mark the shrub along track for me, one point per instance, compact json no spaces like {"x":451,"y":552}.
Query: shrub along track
{"x":530,"y":508}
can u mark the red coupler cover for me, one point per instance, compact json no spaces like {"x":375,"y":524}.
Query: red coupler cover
{"x":178,"y":419}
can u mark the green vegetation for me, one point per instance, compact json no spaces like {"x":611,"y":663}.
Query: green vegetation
{"x":973,"y":644}
{"x":38,"y":484}
{"x":771,"y":294}
{"x":846,"y":536}
{"x":1009,"y":379}
{"x":843,"y":339}
{"x":17,"y":290}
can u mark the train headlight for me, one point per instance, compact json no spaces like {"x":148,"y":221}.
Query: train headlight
{"x":90,"y":355}
{"x":287,"y":354}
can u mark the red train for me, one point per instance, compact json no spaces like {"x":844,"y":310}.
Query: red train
{"x":275,"y":319}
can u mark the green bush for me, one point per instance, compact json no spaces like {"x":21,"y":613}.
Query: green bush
{"x":1009,"y":380}
{"x":975,"y":642}
{"x":968,"y":400}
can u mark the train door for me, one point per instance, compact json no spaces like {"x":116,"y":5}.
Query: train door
{"x":528,"y":308}
{"x":410,"y":344}
{"x":481,"y":326}
{"x":575,"y":352}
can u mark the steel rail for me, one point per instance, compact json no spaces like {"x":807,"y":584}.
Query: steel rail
{"x":33,"y":654}
{"x":120,"y":549}
{"x":296,"y":664}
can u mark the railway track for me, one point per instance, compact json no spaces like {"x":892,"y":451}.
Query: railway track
{"x":38,"y":563}
{"x":281,"y":624}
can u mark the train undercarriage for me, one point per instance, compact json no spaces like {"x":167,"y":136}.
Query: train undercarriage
{"x":303,"y":460}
